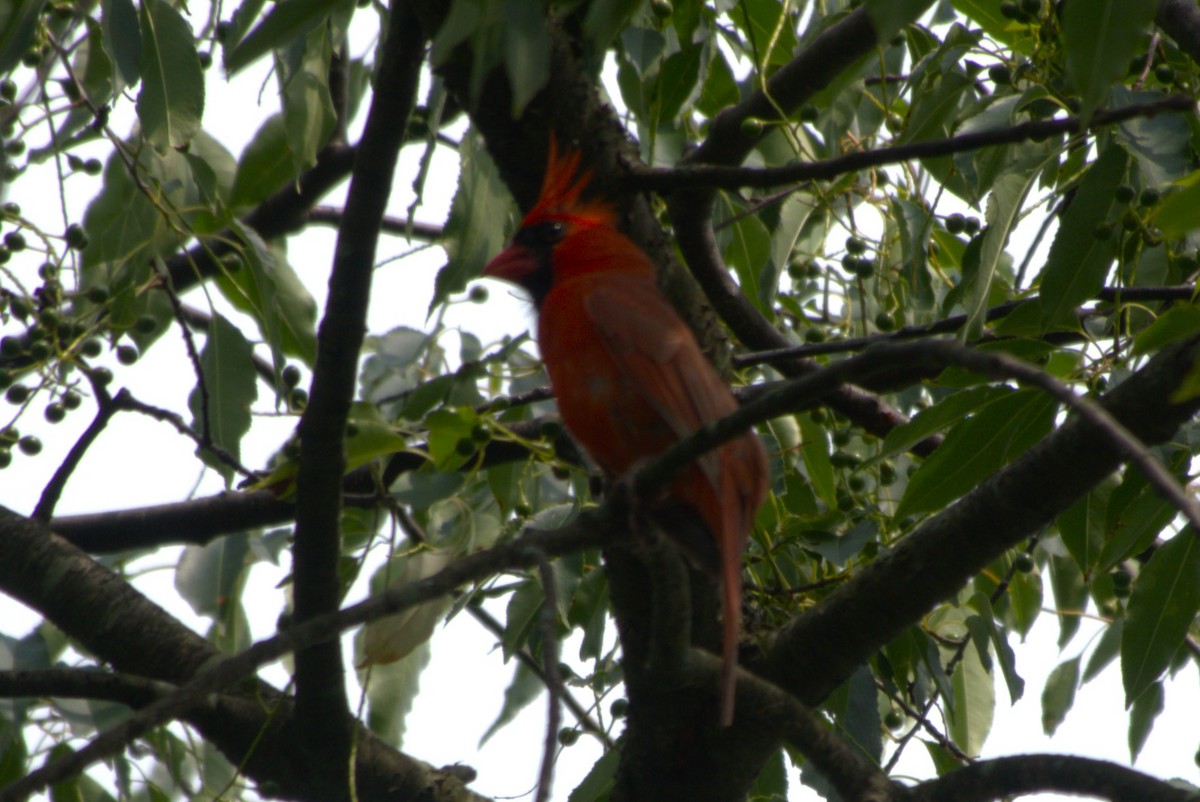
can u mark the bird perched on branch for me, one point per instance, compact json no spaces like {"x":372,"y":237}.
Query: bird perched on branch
{"x":629,"y":376}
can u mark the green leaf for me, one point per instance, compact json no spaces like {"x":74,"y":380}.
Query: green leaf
{"x":475,"y":230}
{"x":285,"y":24}
{"x":524,"y":688}
{"x":1003,"y":209}
{"x":977,"y":448}
{"x":207,"y":576}
{"x":122,"y":37}
{"x":395,"y":637}
{"x":1100,"y":36}
{"x":266,"y":288}
{"x":604,"y":19}
{"x":172,"y":98}
{"x":974,"y":703}
{"x":949,"y":410}
{"x":987,"y":14}
{"x":814,"y":449}
{"x":1141,"y":718}
{"x":391,"y":691}
{"x":1107,"y":649}
{"x":1083,"y":529}
{"x":1137,"y":526}
{"x":1059,"y":694}
{"x":598,"y":784}
{"x":679,"y":82}
{"x":308,"y":114}
{"x":1179,"y":212}
{"x":1160,"y":144}
{"x":771,"y":784}
{"x":747,"y":251}
{"x":1079,"y":260}
{"x":526,"y":50}
{"x":230,"y":387}
{"x":1175,"y":324}
{"x":18,"y":24}
{"x":267,"y":165}
{"x":419,"y":490}
{"x":999,"y":643}
{"x":1070,"y":596}
{"x":889,"y":16}
{"x":1164,"y":602}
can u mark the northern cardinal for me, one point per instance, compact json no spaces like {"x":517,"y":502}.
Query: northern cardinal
{"x":629,"y":376}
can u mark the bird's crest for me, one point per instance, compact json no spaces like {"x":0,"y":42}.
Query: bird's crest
{"x":563,"y":188}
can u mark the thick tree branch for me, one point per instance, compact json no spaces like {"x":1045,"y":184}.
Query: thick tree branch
{"x":135,"y":636}
{"x":821,"y":648}
{"x":321,"y":703}
{"x":1180,"y":19}
{"x":1004,"y":777}
{"x":82,"y":683}
{"x":36,"y":569}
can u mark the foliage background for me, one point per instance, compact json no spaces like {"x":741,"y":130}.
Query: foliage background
{"x":844,"y":495}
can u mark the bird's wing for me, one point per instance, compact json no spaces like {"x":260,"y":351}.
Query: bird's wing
{"x":655,"y":349}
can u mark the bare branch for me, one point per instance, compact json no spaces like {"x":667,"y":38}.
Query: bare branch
{"x":1026,"y":774}
{"x":704,"y":176}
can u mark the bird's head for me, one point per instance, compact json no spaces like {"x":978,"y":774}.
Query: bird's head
{"x":563,"y":232}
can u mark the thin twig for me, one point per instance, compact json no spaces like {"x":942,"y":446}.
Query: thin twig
{"x":106,"y":408}
{"x":705,"y":176}
{"x":126,"y":401}
{"x":553,"y":677}
{"x":1185,"y":292}
{"x":586,"y":722}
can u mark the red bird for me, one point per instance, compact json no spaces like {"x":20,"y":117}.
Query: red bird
{"x":629,"y":376}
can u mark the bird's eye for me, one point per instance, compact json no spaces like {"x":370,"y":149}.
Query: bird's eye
{"x":541,"y":235}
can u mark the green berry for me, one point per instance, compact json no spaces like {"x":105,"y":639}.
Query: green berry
{"x":894,"y":720}
{"x":93,"y":167}
{"x":478,"y":294}
{"x":1023,"y":562}
{"x":751,"y":127}
{"x":885,"y":322}
{"x":290,"y":376}
{"x":30,"y":445}
{"x":17,"y":394}
{"x":298,"y":398}
{"x":76,"y":237}
{"x":856,"y":246}
{"x":814,"y":335}
{"x":480,"y":433}
{"x":568,"y":736}
{"x":11,"y":346}
{"x":55,"y":412}
{"x":1125,"y":193}
{"x":72,"y":400}
{"x":5,"y":458}
{"x":127,"y":354}
{"x":464,"y":447}
{"x":956,"y":223}
{"x":102,"y":376}
{"x":145,"y":324}
{"x":973,"y":226}
{"x":619,"y":708}
{"x":8,"y":89}
{"x":1149,"y":197}
{"x":1121,"y":578}
{"x":92,"y":349}
{"x":1165,"y":73}
{"x":1010,"y":10}
{"x":1031,"y":7}
{"x":887,"y":473}
{"x":15,"y":241}
{"x":1000,"y":74}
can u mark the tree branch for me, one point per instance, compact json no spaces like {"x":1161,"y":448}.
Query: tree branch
{"x":821,"y":647}
{"x":1003,"y":777}
{"x":705,"y":176}
{"x":321,"y":703}
{"x":1185,"y":292}
{"x":331,"y":216}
